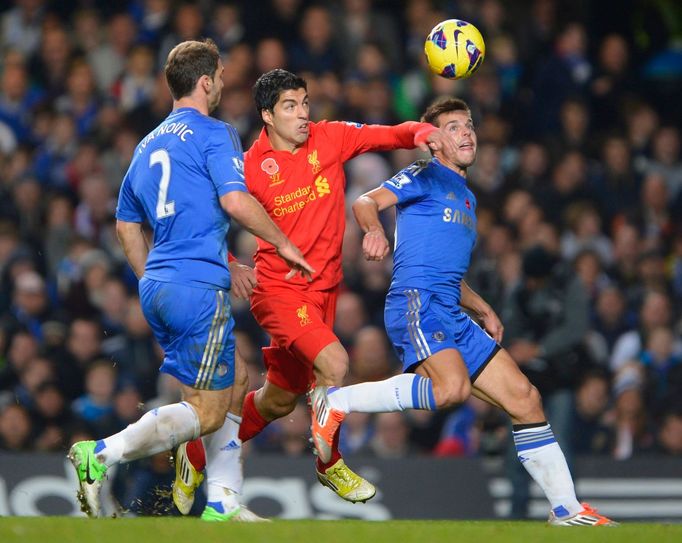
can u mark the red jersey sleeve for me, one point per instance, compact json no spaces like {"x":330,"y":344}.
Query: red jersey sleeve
{"x":356,"y":138}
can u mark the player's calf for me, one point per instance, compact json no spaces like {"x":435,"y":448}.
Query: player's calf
{"x":272,"y":407}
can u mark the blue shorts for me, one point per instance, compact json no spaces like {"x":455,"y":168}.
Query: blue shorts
{"x":194,"y":326}
{"x":419,"y":325}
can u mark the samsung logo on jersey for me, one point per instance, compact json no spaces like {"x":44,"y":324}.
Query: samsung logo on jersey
{"x":398,"y":181}
{"x":178,"y":129}
{"x":458,"y":217}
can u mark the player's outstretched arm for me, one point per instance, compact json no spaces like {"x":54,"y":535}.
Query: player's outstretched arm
{"x":491,"y":322}
{"x":250,"y":214}
{"x":134,"y":244}
{"x":366,"y":210}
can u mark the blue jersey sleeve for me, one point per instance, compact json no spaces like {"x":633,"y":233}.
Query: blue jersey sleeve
{"x":225,"y":159}
{"x":129,"y":208}
{"x":405,"y":185}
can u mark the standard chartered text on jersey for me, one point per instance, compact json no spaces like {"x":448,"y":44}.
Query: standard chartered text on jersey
{"x":296,"y":200}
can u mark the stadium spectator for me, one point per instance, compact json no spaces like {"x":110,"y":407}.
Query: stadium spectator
{"x":15,"y":428}
{"x":391,"y":437}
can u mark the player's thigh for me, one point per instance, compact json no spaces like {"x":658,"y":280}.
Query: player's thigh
{"x":197,"y":328}
{"x":287,"y":371}
{"x":415,"y":330}
{"x":420,"y":325}
{"x":502,"y":383}
{"x":287,"y":314}
{"x":449,"y":375}
{"x":299,"y":324}
{"x":475,"y":345}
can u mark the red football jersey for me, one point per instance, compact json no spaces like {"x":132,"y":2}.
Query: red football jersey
{"x":303,"y":192}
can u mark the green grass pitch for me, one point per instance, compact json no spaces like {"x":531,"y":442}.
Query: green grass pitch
{"x":186,"y":530}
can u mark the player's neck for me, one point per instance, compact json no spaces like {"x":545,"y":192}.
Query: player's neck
{"x":451,"y":165}
{"x":188,"y":101}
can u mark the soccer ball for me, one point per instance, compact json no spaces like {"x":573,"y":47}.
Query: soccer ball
{"x":454,"y":49}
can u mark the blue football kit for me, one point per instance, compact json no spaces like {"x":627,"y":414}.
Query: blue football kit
{"x":176,"y":177}
{"x":435,"y":235}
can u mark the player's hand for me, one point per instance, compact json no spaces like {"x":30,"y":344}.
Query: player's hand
{"x":243,"y":279}
{"x":493,"y":325}
{"x":523,"y":351}
{"x":440,"y":140}
{"x":375,"y":245}
{"x":293,"y":256}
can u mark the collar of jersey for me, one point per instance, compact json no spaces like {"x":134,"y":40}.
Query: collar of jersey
{"x":265,"y":146}
{"x":182,"y":110}
{"x":459,"y":177}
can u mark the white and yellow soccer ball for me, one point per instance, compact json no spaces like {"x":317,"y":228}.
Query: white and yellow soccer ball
{"x":454,"y":49}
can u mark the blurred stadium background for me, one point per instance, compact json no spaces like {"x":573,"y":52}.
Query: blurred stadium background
{"x":579,"y":183}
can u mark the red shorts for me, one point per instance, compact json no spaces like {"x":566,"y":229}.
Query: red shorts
{"x":300,"y":324}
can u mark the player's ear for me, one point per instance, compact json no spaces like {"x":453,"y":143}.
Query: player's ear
{"x":266,"y":115}
{"x":206,"y":83}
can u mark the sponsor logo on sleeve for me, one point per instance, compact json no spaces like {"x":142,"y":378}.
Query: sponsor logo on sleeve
{"x":399,"y":180}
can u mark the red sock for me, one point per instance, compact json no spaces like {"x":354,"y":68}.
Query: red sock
{"x":252,"y":421}
{"x":336,"y":454}
{"x":196,"y":454}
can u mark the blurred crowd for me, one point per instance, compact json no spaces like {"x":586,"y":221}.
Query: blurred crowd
{"x":578,"y":181}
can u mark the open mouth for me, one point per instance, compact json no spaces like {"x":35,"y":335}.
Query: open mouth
{"x":468,"y":146}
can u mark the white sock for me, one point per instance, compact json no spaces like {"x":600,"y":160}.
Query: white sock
{"x":158,"y":430}
{"x":406,"y":391}
{"x":224,"y":463}
{"x":544,"y":460}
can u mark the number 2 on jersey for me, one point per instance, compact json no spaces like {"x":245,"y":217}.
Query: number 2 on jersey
{"x":163,"y":209}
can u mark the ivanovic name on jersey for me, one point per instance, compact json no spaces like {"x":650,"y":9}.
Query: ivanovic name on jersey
{"x":435,"y":228}
{"x":181,"y":130}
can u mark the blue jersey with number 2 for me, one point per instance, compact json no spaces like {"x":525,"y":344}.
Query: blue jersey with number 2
{"x":177,"y":175}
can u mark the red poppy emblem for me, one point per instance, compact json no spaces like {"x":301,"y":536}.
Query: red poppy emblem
{"x":269,"y":166}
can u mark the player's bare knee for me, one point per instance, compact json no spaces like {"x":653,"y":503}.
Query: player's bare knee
{"x":526,"y":403}
{"x":333,"y":371}
{"x":210,"y":419}
{"x":451,"y":394}
{"x":534,"y":397}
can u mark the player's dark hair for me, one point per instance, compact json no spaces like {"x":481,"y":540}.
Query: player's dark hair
{"x":443,"y":105}
{"x":271,"y":84}
{"x":187,"y":62}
